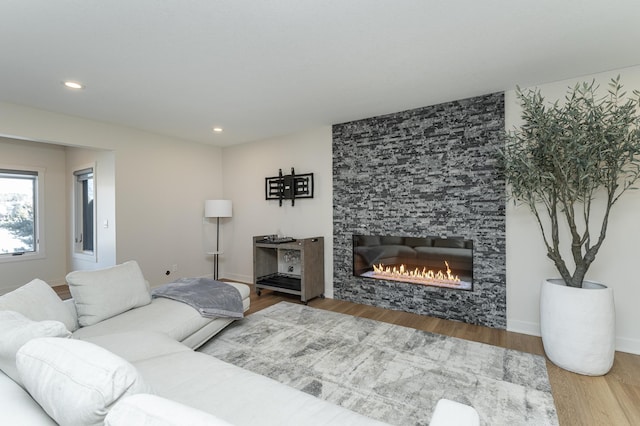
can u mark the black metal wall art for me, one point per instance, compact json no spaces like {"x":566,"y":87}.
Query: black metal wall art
{"x":289,"y":187}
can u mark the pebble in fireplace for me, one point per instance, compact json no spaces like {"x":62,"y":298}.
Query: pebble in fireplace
{"x":441,"y":262}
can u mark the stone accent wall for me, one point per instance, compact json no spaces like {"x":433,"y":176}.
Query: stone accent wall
{"x":425,"y":172}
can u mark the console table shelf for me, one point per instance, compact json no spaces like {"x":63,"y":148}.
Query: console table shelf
{"x":280,"y":282}
{"x":293,"y":267}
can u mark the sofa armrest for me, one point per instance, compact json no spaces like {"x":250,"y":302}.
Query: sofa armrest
{"x":451,"y":413}
{"x":152,"y":410}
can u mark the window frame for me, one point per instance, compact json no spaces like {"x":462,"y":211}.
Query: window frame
{"x":39,"y":214}
{"x":78,"y":236}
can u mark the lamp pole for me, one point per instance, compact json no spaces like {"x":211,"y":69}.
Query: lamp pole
{"x":215,"y":256}
{"x":217,"y":209}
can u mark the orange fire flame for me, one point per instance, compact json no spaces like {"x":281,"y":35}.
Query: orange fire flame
{"x":424,"y":275}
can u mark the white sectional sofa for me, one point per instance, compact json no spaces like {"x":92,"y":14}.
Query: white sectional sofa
{"x":133,"y":354}
{"x":113,"y":355}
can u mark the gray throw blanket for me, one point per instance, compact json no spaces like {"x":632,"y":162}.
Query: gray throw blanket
{"x":213,"y":299}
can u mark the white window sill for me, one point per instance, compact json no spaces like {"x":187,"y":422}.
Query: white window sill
{"x":8,"y":258}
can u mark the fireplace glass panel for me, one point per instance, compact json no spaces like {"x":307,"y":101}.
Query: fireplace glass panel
{"x":435,"y":261}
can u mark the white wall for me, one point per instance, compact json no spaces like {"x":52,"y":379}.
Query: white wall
{"x":161,"y":189}
{"x":51,"y":268}
{"x":105,"y":190}
{"x":245,"y":169}
{"x":161,"y":184}
{"x":616,"y":263}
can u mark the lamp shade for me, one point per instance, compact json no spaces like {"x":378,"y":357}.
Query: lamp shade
{"x":217,"y":208}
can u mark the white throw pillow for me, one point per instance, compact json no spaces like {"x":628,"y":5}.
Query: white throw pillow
{"x":76,"y":382}
{"x":104,"y":293}
{"x":152,"y":410}
{"x":15,"y":331}
{"x":38,"y":301}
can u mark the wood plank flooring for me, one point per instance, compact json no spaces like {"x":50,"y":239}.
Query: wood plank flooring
{"x":613,"y":399}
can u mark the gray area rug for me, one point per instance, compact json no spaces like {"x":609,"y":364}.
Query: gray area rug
{"x":387,"y":372}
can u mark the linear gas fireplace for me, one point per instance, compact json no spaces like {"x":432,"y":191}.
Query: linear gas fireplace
{"x":433,"y":261}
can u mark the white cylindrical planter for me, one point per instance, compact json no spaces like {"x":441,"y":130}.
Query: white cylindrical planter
{"x":578,"y":326}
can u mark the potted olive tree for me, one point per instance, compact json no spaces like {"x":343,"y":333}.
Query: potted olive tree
{"x":570,"y":162}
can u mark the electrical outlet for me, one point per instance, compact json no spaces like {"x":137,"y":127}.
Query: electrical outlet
{"x":174,"y":267}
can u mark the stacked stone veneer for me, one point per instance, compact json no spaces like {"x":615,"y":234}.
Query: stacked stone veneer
{"x":423,"y":172}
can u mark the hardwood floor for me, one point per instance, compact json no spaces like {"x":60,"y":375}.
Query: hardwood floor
{"x":613,"y":399}
{"x":62,"y":291}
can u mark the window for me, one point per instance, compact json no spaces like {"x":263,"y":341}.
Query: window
{"x":84,"y":211}
{"x":19,"y":224}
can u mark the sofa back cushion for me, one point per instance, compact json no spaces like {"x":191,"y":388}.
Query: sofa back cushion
{"x":37,"y":301}
{"x":76,"y":382}
{"x":15,"y":331}
{"x":104,"y":293}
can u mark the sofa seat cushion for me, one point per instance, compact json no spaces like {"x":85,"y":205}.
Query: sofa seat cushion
{"x":37,"y":301}
{"x":135,"y":346}
{"x":245,"y":292}
{"x":152,"y":410}
{"x":206,"y":383}
{"x":203,"y":335}
{"x":175,"y":319}
{"x":76,"y":382}
{"x":103,"y":293}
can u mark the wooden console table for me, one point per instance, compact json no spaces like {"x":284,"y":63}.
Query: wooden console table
{"x":293,"y":267}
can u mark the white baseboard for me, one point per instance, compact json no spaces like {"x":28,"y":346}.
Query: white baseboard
{"x":247,"y":279}
{"x":623,"y":344}
{"x":231,"y":277}
{"x":524,"y":327}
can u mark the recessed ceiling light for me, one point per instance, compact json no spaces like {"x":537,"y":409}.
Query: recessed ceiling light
{"x":217,"y":129}
{"x":73,"y":85}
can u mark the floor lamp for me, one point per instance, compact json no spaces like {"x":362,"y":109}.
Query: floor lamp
{"x":217,"y":209}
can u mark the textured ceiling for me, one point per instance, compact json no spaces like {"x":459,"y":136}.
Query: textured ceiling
{"x":266,"y":68}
